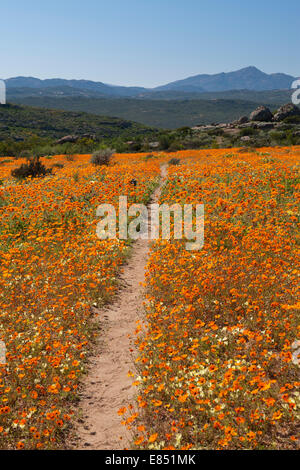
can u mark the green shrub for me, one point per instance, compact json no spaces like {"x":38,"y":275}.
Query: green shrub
{"x":278,"y":136}
{"x":174,"y":161}
{"x":175,"y":146}
{"x":164,"y":142}
{"x":102,"y":157}
{"x":292,"y":120}
{"x":33,"y":168}
{"x":247,"y":131}
{"x":216,"y":132}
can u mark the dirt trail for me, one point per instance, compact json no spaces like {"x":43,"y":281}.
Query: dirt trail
{"x":107,"y":387}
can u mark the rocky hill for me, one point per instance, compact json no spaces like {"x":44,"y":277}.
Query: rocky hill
{"x":261,"y":128}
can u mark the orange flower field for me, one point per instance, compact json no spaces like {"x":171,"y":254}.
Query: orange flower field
{"x":215,"y":362}
{"x":53,"y":269}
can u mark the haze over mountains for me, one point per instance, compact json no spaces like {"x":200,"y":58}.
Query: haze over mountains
{"x":249,"y":78}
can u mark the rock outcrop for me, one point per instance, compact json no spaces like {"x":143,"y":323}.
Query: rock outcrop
{"x":74,"y":138}
{"x":288,"y":110}
{"x":242,"y":120}
{"x":67,"y":139}
{"x":261,"y":114}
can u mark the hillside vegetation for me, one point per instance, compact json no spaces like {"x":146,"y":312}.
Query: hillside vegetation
{"x":21,"y":121}
{"x":37,"y":130}
{"x":29,"y":130}
{"x":161,"y":113}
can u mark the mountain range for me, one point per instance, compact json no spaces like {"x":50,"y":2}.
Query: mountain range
{"x":202,"y":99}
{"x":249,"y":78}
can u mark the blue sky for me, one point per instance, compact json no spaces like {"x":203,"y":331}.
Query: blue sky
{"x":147,"y":42}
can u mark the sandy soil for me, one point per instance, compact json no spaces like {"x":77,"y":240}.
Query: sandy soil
{"x":107,"y":387}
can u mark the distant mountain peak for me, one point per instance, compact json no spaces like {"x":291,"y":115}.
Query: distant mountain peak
{"x":248,"y":78}
{"x":251,"y":67}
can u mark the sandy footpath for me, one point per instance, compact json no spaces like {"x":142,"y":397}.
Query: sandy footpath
{"x":107,"y":387}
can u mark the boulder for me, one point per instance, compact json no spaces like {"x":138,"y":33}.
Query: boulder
{"x":287,"y":110}
{"x":264,"y":126}
{"x":88,"y":136}
{"x":252,"y":124}
{"x":67,"y":138}
{"x":242,"y":120}
{"x":153,"y":145}
{"x":261,"y":114}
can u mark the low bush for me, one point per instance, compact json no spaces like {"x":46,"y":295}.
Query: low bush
{"x":33,"y":168}
{"x":102,"y":157}
{"x":164,"y":142}
{"x":175,"y":146}
{"x":292,"y":120}
{"x":174,"y":161}
{"x":247,"y":131}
